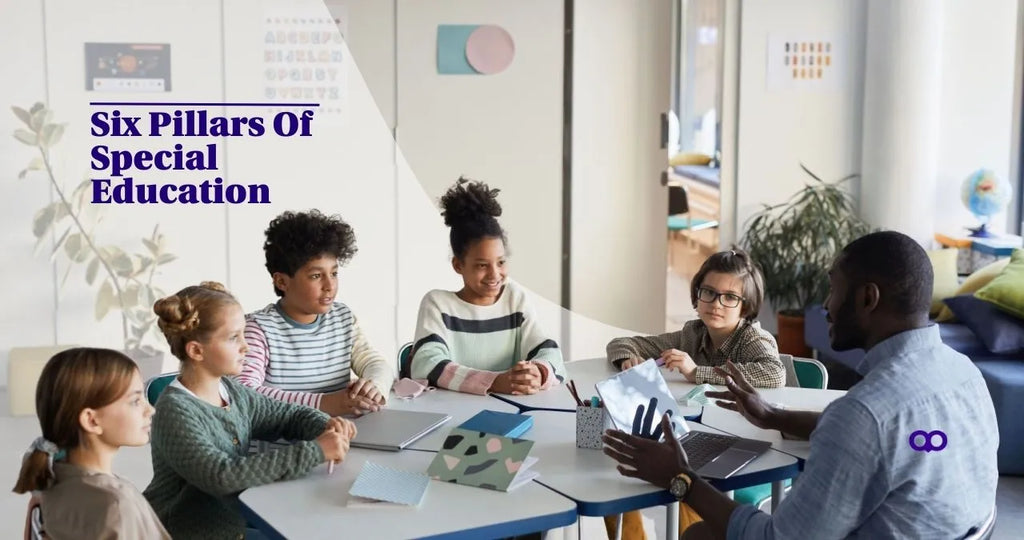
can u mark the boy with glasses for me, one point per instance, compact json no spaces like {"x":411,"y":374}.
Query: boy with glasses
{"x":727,"y":293}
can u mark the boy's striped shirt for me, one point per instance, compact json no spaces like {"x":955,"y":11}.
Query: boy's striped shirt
{"x":298,"y":363}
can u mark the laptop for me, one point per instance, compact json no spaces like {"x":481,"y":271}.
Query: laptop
{"x":632,"y":395}
{"x":393,"y":430}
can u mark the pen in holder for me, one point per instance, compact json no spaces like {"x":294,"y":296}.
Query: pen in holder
{"x":591,"y":422}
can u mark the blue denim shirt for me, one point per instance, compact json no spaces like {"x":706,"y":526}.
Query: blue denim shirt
{"x":862,"y":479}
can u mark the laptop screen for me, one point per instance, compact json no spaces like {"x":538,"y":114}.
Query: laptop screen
{"x":630,"y":397}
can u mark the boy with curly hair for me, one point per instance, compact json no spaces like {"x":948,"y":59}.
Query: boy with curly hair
{"x":306,"y":347}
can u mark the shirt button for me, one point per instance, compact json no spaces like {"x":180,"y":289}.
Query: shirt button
{"x":235,"y":441}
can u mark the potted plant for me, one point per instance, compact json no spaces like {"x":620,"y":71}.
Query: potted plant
{"x":125,"y":279}
{"x":794,"y":243}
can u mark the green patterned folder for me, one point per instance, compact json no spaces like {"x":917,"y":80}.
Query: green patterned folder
{"x":483,"y":460}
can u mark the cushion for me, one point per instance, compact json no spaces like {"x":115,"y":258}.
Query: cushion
{"x":981,"y":277}
{"x":1006,"y":291}
{"x":946,"y":282}
{"x":1000,"y":332}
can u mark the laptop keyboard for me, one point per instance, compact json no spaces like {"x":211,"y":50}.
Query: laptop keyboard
{"x":702,"y":447}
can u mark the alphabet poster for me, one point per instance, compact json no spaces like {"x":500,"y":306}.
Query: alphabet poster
{"x":305,"y":57}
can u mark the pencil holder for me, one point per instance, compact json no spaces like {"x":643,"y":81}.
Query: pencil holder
{"x":590,"y":424}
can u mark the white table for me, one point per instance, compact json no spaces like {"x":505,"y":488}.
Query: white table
{"x":809,"y":399}
{"x":460,"y":406}
{"x":590,"y":478}
{"x":586,"y":373}
{"x":315,"y":506}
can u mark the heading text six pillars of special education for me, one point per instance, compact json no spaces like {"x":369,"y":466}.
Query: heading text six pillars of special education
{"x":120,"y":189}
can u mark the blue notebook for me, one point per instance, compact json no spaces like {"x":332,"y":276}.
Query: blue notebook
{"x":509,"y":425}
{"x":381,"y":483}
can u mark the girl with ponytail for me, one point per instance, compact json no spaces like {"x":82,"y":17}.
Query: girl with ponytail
{"x":90,"y":403}
{"x":483,"y":337}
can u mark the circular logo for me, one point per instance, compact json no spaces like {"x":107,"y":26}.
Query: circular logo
{"x":924,"y":441}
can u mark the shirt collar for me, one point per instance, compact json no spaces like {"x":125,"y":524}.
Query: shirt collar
{"x":898,"y":345}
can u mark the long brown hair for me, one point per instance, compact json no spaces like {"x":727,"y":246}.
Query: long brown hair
{"x":72,"y":381}
{"x":191,"y":314}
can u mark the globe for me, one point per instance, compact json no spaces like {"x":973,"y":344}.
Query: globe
{"x":984,"y":194}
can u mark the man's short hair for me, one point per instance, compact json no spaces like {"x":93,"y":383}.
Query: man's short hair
{"x":894,"y":262}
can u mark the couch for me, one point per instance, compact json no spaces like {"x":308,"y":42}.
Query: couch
{"x":1004,"y":374}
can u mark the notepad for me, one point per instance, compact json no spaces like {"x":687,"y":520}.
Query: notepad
{"x":484,"y":460}
{"x":380,"y":483}
{"x":510,"y":425}
{"x":695,"y":397}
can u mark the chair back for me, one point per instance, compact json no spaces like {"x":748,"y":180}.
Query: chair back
{"x":157,"y":385}
{"x":787,"y":362}
{"x":405,"y":360}
{"x":34,"y":518}
{"x":983,"y":531}
{"x":810,"y":373}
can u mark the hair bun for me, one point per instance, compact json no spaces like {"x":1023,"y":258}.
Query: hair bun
{"x":214,"y":286}
{"x":176,"y":314}
{"x":469,"y":201}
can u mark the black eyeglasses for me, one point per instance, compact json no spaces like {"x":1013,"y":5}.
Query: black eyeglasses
{"x":728,"y":300}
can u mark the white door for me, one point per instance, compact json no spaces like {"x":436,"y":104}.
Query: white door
{"x":621,"y":85}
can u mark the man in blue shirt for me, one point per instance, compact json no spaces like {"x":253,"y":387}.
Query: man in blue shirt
{"x":870,"y":474}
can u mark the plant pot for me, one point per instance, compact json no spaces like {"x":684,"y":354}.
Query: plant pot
{"x":791,"y":336}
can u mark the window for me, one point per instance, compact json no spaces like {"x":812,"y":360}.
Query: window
{"x":697,"y":97}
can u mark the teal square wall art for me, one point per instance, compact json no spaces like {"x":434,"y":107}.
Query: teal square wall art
{"x":451,"y":49}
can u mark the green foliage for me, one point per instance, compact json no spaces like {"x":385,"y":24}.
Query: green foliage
{"x":796,"y":241}
{"x":125,"y":279}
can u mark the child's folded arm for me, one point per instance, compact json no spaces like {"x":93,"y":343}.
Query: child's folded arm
{"x":762,"y":372}
{"x":184,"y":445}
{"x":432,"y":362}
{"x":254,"y":371}
{"x":273,"y":419}
{"x":642,"y":347}
{"x":367,"y":363}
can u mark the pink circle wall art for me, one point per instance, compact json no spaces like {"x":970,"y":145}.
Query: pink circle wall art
{"x":490,"y":49}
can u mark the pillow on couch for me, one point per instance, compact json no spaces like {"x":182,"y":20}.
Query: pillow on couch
{"x":946,"y":279}
{"x":981,"y":277}
{"x":1001,"y":333}
{"x":1006,"y":291}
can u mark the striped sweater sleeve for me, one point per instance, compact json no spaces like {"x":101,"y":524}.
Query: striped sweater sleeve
{"x":254,"y":371}
{"x":540,"y":348}
{"x":432,"y":358}
{"x":367,"y":363}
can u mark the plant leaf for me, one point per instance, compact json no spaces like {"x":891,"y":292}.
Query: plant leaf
{"x":26,"y":137}
{"x":104,"y":300}
{"x":90,"y":271}
{"x":40,"y":118}
{"x":35,"y":107}
{"x":44,"y":219}
{"x":151,"y":246}
{"x":23,"y":115}
{"x":56,"y":246}
{"x":50,"y":135}
{"x":165,"y":258}
{"x":76,"y":248}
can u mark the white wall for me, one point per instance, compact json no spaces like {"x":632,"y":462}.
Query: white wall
{"x":28,"y":318}
{"x":779,"y":129}
{"x":978,"y":58}
{"x":504,"y":129}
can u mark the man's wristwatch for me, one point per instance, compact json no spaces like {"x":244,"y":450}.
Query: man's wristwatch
{"x":679,"y":486}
